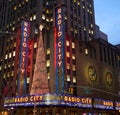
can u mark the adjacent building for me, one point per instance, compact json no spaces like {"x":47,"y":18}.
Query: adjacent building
{"x":53,"y":57}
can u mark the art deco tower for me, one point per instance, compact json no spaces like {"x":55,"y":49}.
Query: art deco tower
{"x":61,"y":68}
{"x":77,"y":23}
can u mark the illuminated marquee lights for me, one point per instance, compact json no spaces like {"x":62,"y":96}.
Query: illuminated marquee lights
{"x":78,"y":100}
{"x":108,"y":103}
{"x":117,"y":105}
{"x":49,"y":99}
{"x":103,"y":104}
{"x":28,"y":99}
{"x":63,"y":100}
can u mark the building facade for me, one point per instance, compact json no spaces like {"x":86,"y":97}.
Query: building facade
{"x":50,"y":59}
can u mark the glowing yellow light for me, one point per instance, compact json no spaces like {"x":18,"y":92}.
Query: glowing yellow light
{"x":68,"y":54}
{"x":67,"y":43}
{"x":48,"y":51}
{"x":48,"y":63}
{"x":73,"y":45}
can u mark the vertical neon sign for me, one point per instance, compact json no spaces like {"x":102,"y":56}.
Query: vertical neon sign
{"x":59,"y":54}
{"x":23,"y":59}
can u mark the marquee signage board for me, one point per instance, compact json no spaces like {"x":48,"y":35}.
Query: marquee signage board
{"x":117,"y":105}
{"x":48,"y":99}
{"x":61,"y":100}
{"x":103,"y":104}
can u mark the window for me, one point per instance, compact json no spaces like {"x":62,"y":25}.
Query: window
{"x":48,"y":75}
{"x":67,"y":43}
{"x":68,"y":66}
{"x":12,"y":63}
{"x":48,"y":63}
{"x":12,"y":73}
{"x":15,"y":44}
{"x":86,"y":51}
{"x":73,"y":57}
{"x":6,"y":56}
{"x":73,"y":68}
{"x":35,"y":45}
{"x":0,"y":68}
{"x":27,"y":0}
{"x":68,"y":77}
{"x":48,"y":51}
{"x":5,"y":66}
{"x":8,"y":65}
{"x":84,"y":28}
{"x":73,"y":45}
{"x":74,"y":79}
{"x":28,"y":80}
{"x":10,"y":55}
{"x":68,"y":54}
{"x":13,"y":53}
{"x":78,"y":3}
{"x":104,"y":51}
{"x":34,"y":17}
{"x":101,"y":55}
{"x":43,"y":17}
{"x":30,"y":18}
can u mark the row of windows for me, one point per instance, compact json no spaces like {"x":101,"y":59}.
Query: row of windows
{"x":91,"y":51}
{"x":70,"y":62}
{"x":33,"y":17}
{"x":109,"y":56}
{"x":11,"y":55}
{"x":24,"y":8}
{"x":87,"y":19}
{"x":9,"y":68}
{"x":73,"y":78}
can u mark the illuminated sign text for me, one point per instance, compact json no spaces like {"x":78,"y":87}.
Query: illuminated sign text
{"x":59,"y":42}
{"x":25,"y":28}
{"x":59,"y":34}
{"x":64,"y":100}
{"x":24,"y":46}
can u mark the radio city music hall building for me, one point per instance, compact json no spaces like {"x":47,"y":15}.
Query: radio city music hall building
{"x":51,"y":62}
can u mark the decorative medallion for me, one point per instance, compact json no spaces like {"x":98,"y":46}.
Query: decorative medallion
{"x":92,"y":74}
{"x":109,"y":79}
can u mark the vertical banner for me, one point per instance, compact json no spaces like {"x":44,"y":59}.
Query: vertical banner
{"x":23,"y":57}
{"x":59,"y":54}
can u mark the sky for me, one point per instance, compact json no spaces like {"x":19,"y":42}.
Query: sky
{"x":107,"y":16}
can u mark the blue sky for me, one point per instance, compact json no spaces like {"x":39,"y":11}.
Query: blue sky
{"x":107,"y":15}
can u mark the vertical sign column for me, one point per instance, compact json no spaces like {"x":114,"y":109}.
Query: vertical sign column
{"x":59,"y":54}
{"x":23,"y":57}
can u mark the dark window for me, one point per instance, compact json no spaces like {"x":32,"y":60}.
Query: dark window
{"x":104,"y":50}
{"x":100,"y":48}
{"x":112,"y":57}
{"x":68,"y":60}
